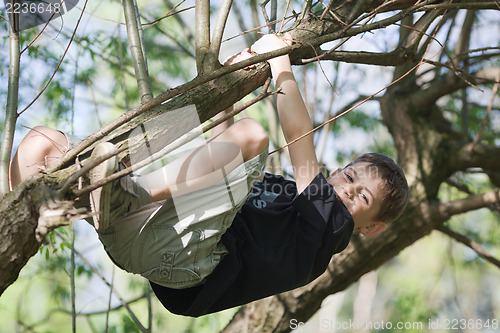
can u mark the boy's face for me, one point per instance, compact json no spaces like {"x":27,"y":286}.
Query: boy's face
{"x":360,"y":188}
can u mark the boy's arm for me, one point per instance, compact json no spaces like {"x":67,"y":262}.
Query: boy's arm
{"x":245,"y":54}
{"x":292,"y":112}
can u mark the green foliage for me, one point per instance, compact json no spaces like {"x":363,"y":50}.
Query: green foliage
{"x":360,"y":119}
{"x":58,"y":99}
{"x":128,"y":325}
{"x":411,"y":306}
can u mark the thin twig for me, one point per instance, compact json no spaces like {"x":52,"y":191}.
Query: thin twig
{"x":327,"y":9}
{"x":274,"y":14}
{"x":117,"y":294}
{"x":68,"y":182}
{"x":269,"y":24}
{"x":40,"y":32}
{"x":73,"y":280}
{"x":259,"y":27}
{"x":471,"y":244}
{"x":487,"y":117}
{"x":60,"y":60}
{"x":284,"y":16}
{"x":170,"y":13}
{"x":241,"y":22}
{"x":97,"y":312}
{"x":460,"y":5}
{"x":108,"y":311}
{"x":187,"y":28}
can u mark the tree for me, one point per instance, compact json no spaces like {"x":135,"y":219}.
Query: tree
{"x":429,"y":144}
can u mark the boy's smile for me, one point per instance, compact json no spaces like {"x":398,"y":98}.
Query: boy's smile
{"x":360,"y":189}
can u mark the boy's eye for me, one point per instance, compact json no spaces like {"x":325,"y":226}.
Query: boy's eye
{"x":349,"y":178}
{"x":365,"y":198}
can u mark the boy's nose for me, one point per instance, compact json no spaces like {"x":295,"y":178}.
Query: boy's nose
{"x":350,"y":191}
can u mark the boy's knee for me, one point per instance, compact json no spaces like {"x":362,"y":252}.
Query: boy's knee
{"x":254,"y":136}
{"x":42,"y":140}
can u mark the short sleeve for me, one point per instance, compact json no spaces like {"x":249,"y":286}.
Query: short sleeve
{"x":325,"y":221}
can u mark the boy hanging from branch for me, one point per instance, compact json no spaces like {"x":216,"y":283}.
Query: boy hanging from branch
{"x":207,"y":232}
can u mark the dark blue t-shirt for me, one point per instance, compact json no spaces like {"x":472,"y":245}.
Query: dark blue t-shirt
{"x":278,"y":241}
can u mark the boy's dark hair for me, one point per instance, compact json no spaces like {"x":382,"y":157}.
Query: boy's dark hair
{"x":395,"y":189}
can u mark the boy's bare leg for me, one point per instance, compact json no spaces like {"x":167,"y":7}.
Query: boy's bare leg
{"x":195,"y":170}
{"x":40,"y":148}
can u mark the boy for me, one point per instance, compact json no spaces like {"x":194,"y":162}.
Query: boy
{"x":203,"y":253}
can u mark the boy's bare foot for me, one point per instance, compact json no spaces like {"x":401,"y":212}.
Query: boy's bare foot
{"x":100,"y":198}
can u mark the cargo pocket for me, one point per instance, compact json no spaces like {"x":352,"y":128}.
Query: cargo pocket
{"x":170,"y":258}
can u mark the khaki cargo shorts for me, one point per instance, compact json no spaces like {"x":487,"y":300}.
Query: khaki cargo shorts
{"x":176,"y":243}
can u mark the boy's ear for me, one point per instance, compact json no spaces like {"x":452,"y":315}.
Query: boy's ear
{"x":334,"y":173}
{"x":373,"y":228}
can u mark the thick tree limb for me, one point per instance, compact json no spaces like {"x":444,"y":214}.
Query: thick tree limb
{"x":472,"y":202}
{"x":480,"y":155}
{"x":451,"y":83}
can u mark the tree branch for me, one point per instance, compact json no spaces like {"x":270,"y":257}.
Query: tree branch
{"x":202,"y":33}
{"x":472,"y":202}
{"x":451,"y":83}
{"x":134,"y":32}
{"x":471,"y":244}
{"x":394,"y":58}
{"x":12,"y":104}
{"x":480,"y":155}
{"x":220,"y":26}
{"x":486,"y":118}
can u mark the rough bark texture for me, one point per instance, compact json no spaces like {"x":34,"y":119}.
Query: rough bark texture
{"x":19,"y":214}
